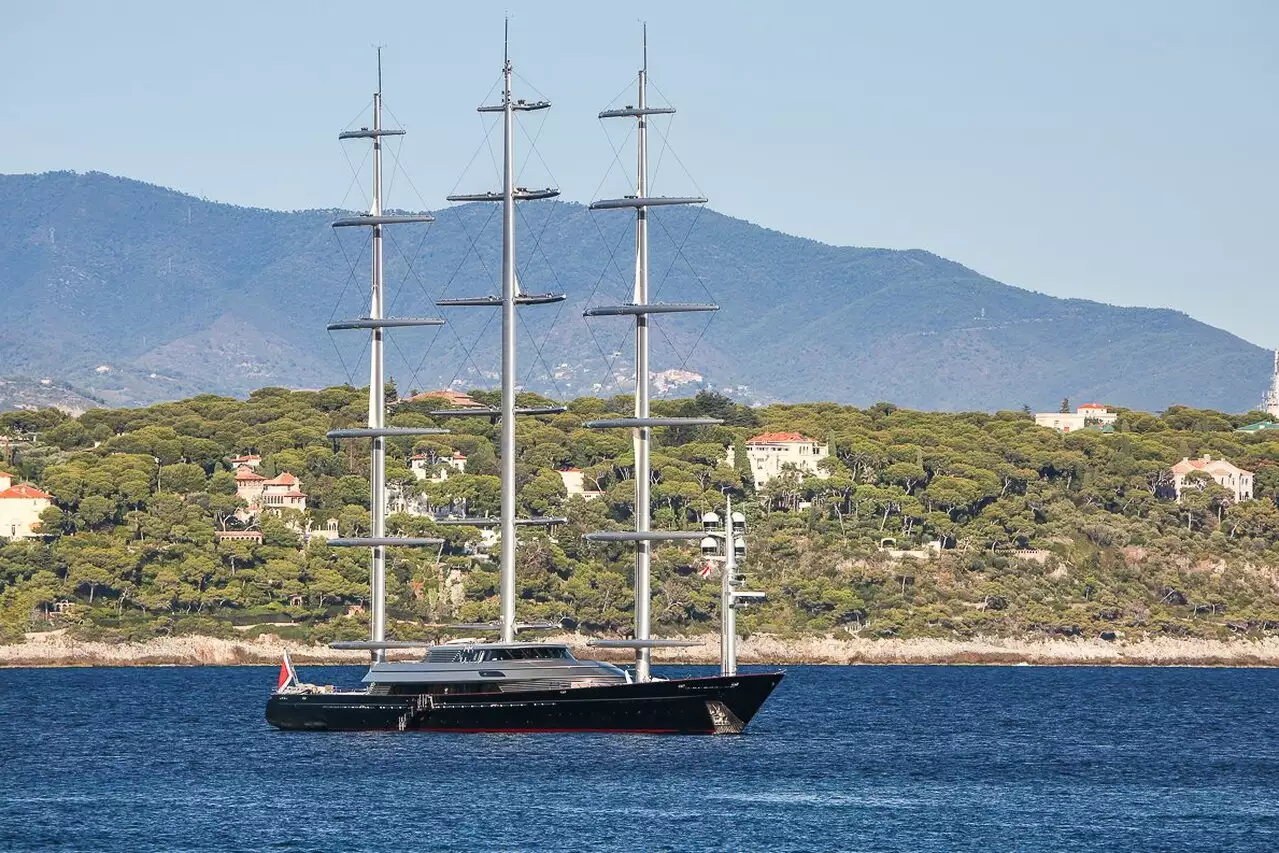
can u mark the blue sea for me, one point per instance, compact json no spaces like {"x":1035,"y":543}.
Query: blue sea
{"x":841,"y":758}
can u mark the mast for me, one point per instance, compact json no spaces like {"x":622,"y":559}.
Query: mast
{"x":642,"y":423}
{"x":377,"y":430}
{"x":510,"y":298}
{"x":508,"y":349}
{"x":377,"y":395}
{"x":640,"y":435}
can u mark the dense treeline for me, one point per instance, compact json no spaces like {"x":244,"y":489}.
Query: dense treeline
{"x":140,"y":494}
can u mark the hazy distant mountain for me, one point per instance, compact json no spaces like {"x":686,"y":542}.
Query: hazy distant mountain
{"x":135,"y":293}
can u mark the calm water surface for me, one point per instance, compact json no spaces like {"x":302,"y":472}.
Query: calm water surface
{"x":857,"y":758}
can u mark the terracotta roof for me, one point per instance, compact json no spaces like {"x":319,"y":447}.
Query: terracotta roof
{"x":417,"y":456}
{"x":570,"y":470}
{"x":294,"y":494}
{"x":1091,"y":406}
{"x":251,"y":456}
{"x":25,"y":491}
{"x":459,"y":455}
{"x":455,"y":399}
{"x":781,"y":438}
{"x":1185,"y":466}
{"x":246,"y":473}
{"x":285,"y":479}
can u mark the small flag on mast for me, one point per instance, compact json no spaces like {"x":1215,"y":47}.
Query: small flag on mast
{"x":706,"y":569}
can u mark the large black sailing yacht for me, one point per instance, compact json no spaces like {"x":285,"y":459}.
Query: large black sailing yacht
{"x":511,"y":685}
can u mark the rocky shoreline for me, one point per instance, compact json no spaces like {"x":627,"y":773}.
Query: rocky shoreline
{"x":55,"y":649}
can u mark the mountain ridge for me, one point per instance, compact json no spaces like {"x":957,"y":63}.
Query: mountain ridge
{"x":236,"y":297}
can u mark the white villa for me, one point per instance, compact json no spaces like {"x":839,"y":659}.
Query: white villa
{"x":1226,"y":474}
{"x":769,"y":452}
{"x":575,"y":485}
{"x":20,"y":508}
{"x":422,"y":463}
{"x":1089,"y":414}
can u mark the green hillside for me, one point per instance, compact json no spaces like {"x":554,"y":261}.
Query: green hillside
{"x":140,"y":494}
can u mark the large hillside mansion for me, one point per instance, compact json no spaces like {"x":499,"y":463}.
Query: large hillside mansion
{"x":1225,"y":473}
{"x":278,"y":493}
{"x":770,"y":452}
{"x":1089,"y":414}
{"x":20,"y":508}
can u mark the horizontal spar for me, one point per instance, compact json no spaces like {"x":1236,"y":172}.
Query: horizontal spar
{"x":519,"y":194}
{"x":384,"y":323}
{"x":634,"y":309}
{"x":365,"y":133}
{"x":644,"y":536}
{"x":365,"y":220}
{"x":487,"y":301}
{"x":636,"y":201}
{"x":637,"y":112}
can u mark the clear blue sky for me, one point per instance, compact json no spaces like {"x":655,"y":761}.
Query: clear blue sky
{"x":1120,"y":151}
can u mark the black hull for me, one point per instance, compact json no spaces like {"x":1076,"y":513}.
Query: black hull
{"x":717,"y":705}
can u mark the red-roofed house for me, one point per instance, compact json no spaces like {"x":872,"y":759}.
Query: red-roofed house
{"x":769,"y":452}
{"x":446,"y":399}
{"x":251,"y":460}
{"x":20,"y":508}
{"x":282,"y":492}
{"x":248,"y":485}
{"x":1225,"y":473}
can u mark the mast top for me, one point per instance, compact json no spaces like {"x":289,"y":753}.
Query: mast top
{"x":379,"y":70}
{"x":644,"y":37}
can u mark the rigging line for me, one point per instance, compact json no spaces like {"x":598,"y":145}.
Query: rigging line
{"x":679,"y":248}
{"x":467,"y":352}
{"x":367,"y":105}
{"x":617,"y":158}
{"x":609,"y":361}
{"x":395,"y":167}
{"x":550,"y":374}
{"x":412,"y":271}
{"x":355,"y":177}
{"x":532,"y":146}
{"x":350,"y":274}
{"x":674,"y":153}
{"x":679,"y":253}
{"x":416,"y":382}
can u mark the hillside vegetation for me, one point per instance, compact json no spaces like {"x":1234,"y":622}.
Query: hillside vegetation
{"x":238,"y":298}
{"x":141,"y":492}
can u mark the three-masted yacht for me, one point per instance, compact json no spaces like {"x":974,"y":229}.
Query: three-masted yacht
{"x":511,"y":685}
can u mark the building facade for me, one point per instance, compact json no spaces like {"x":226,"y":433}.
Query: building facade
{"x":422,"y":463}
{"x":1225,"y":473}
{"x":277,"y":493}
{"x":574,"y":484}
{"x":20,"y":508}
{"x":769,"y":453}
{"x":1089,"y":414}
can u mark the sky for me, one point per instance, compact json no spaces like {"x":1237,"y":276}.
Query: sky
{"x":1126,"y":152}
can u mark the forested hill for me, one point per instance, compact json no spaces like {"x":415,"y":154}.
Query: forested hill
{"x":141,"y":493}
{"x":134,"y":293}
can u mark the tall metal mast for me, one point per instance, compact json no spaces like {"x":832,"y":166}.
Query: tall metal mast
{"x":510,"y":298}
{"x":377,"y":429}
{"x":642,"y":423}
